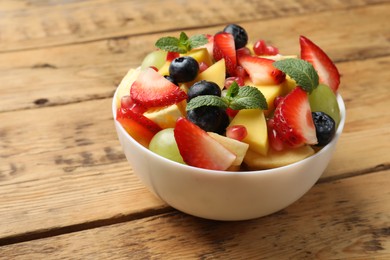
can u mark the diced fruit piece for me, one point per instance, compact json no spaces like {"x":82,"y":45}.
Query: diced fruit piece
{"x":229,"y":81}
{"x":261,"y":48}
{"x":172,"y":55}
{"x":165,"y":117}
{"x":288,"y":85}
{"x":234,"y":146}
{"x":200,"y":55}
{"x":261,"y":71}
{"x":224,"y":48}
{"x":270,"y":92}
{"x":199,"y":149}
{"x":239,"y":34}
{"x":154,"y":59}
{"x":128,"y":103}
{"x":322,"y":98}
{"x":293,"y":121}
{"x":209,"y":118}
{"x":203,"y":87}
{"x":215,"y":73}
{"x":164,"y":70}
{"x":184,"y":69}
{"x":125,"y":85}
{"x":138,"y":126}
{"x":153,"y":90}
{"x":325,"y":127}
{"x":236,"y":132}
{"x":274,"y":159}
{"x":164,"y":144}
{"x":327,"y":71}
{"x":256,"y":126}
{"x":274,"y":140}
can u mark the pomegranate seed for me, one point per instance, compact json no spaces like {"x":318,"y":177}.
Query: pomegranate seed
{"x":172,"y":55}
{"x":237,"y":132}
{"x":231,"y":112}
{"x":230,"y":80}
{"x":243,"y":51}
{"x":202,"y":66}
{"x":261,"y":48}
{"x":275,"y":142}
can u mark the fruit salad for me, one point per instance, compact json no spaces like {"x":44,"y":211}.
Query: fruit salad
{"x":222,"y":102}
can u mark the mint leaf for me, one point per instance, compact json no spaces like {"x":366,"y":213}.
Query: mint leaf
{"x":233,"y":90}
{"x":249,"y":98}
{"x":301,"y":71}
{"x":183,"y":44}
{"x":206,"y":100}
{"x":197,"y":40}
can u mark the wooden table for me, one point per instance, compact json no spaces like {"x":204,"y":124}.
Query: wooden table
{"x":66,"y":189}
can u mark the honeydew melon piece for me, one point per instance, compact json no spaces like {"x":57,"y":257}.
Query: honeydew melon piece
{"x":215,"y":73}
{"x":256,"y":126}
{"x":274,"y":159}
{"x":235,"y":146}
{"x":155,"y":58}
{"x":125,"y":85}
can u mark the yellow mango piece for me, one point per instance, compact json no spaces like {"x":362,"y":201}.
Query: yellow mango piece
{"x":288,"y":85}
{"x":256,"y":126}
{"x":274,"y":159}
{"x":270,"y":92}
{"x":215,"y":73}
{"x":200,"y":55}
{"x":164,"y":70}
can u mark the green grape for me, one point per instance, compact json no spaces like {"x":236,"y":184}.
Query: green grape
{"x":164,"y":144}
{"x":323,"y":99}
{"x":155,"y":58}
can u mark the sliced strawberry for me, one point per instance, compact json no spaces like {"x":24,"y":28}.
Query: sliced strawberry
{"x":261,"y":71}
{"x":199,"y":149}
{"x":172,"y":55}
{"x":224,"y":48}
{"x":151,"y":89}
{"x":141,"y":128}
{"x":327,"y":71}
{"x":128,"y":103}
{"x":293,"y":122}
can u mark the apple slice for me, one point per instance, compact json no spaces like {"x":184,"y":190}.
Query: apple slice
{"x":236,"y":147}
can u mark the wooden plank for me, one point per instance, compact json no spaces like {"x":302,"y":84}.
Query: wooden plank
{"x":351,"y":220}
{"x":52,"y":157}
{"x":28,"y":24}
{"x":75,"y":73}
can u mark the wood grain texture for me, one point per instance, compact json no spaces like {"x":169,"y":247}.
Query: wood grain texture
{"x":79,"y":72}
{"x":35,"y":24}
{"x":346,"y":223}
{"x":71,"y":153}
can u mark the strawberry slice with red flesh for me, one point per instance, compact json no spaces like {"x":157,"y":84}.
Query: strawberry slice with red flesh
{"x":153,"y":90}
{"x":141,"y":128}
{"x":261,"y":71}
{"x":327,"y":71}
{"x":224,"y":48}
{"x":199,"y":149}
{"x":293,"y":121}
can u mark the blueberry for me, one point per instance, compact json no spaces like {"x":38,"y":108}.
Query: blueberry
{"x":209,"y":118}
{"x":239,"y":34}
{"x":183,"y":69}
{"x":325,"y":127}
{"x":203,"y":87}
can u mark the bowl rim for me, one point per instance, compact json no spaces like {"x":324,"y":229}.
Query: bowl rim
{"x":184,"y":167}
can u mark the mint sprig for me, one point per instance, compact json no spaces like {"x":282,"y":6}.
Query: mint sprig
{"x":237,"y":98}
{"x":301,"y":71}
{"x":183,"y":44}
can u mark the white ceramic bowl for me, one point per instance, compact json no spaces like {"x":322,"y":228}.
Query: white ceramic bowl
{"x":221,"y":195}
